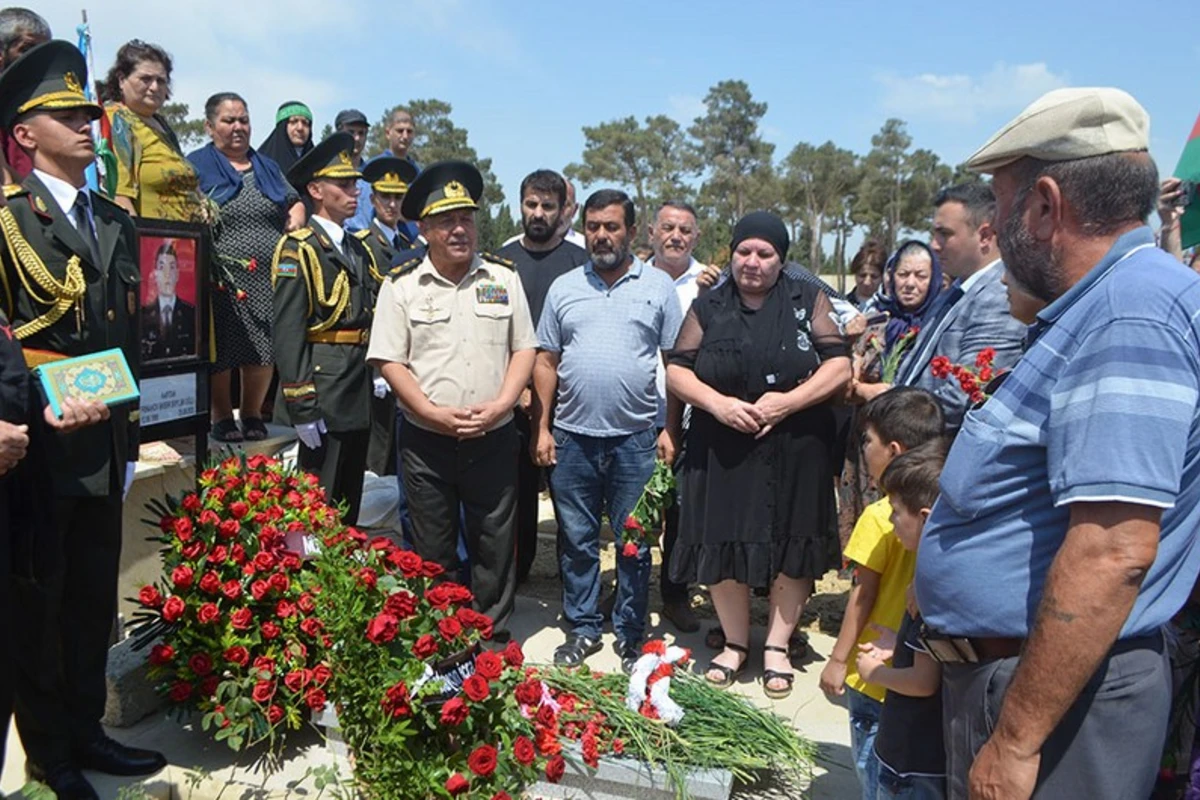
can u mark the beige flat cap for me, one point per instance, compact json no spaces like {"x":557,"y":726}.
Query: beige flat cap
{"x":1067,"y":124}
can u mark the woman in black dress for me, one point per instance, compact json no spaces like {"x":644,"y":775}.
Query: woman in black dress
{"x":759,"y":359}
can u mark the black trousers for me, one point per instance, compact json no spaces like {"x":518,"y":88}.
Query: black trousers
{"x":441,"y":474}
{"x":529,"y":486}
{"x":670,"y":590}
{"x":381,"y":449}
{"x":339,"y":464}
{"x":64,"y":630}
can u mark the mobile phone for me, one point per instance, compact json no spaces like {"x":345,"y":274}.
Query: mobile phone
{"x":1187,"y":191}
{"x":878,"y":319}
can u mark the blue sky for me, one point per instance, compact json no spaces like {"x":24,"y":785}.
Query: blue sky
{"x":524,"y":77}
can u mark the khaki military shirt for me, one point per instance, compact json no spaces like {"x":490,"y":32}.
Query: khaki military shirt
{"x":456,"y":339}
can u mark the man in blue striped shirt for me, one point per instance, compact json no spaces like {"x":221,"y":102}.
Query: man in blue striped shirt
{"x":1064,"y":536}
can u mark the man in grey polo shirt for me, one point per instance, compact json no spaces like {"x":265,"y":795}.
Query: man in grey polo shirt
{"x":599,"y":338}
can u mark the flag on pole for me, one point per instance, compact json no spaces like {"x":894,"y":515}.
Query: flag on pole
{"x":102,"y":128}
{"x":1188,"y":170}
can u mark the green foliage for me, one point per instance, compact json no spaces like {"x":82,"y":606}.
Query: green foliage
{"x":737,"y":159}
{"x":496,"y":227}
{"x":899,"y":185}
{"x":190,"y":132}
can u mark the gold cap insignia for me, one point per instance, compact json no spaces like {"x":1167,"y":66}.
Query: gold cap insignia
{"x":454,"y":189}
{"x":41,"y":205}
{"x":344,"y":157}
{"x":391,"y":177}
{"x":72,"y":83}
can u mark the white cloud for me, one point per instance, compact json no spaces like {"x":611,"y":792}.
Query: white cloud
{"x":963,"y":98}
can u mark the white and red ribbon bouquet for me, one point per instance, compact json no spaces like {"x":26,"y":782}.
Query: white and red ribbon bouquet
{"x":650,"y":682}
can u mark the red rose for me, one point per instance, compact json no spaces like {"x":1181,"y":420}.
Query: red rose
{"x":209,"y":517}
{"x":488,"y":665}
{"x":263,"y":691}
{"x":395,"y":701}
{"x":296,"y":680}
{"x":279,"y":582}
{"x":632,"y":524}
{"x":161,"y":654}
{"x":183,"y":529}
{"x":208,"y":614}
{"x":476,"y":688}
{"x":513,"y":655}
{"x":555,"y":768}
{"x":216,"y":496}
{"x":424,"y":647}
{"x":259,"y":589}
{"x":264,"y":561}
{"x":285,"y":609}
{"x":529,"y":692}
{"x":242,"y":619}
{"x":408,"y":562}
{"x":201,"y":664}
{"x":454,"y":712}
{"x":311,"y":626}
{"x":449,"y":628}
{"x":438,"y":597}
{"x":501,"y":795}
{"x":382,"y":629}
{"x":523,"y":750}
{"x":456,"y":784}
{"x":173,"y":609}
{"x":238,"y":510}
{"x":401,"y":605}
{"x":182,"y":577}
{"x":150,"y":597}
{"x":380,"y":543}
{"x":237,"y":655}
{"x":180,"y":691}
{"x":630,"y":550}
{"x":232,"y":590}
{"x":254,"y":496}
{"x":192,"y":551}
{"x":315,"y":699}
{"x":191,"y":502}
{"x":367,"y":577}
{"x":432,"y":569}
{"x":459,"y":594}
{"x":274,"y":714}
{"x":263,"y":664}
{"x":229,"y":529}
{"x":210,"y":583}
{"x":546,"y":716}
{"x":218,"y":554}
{"x":270,"y":630}
{"x":482,"y":760}
{"x":321,"y":674}
{"x":305,"y":603}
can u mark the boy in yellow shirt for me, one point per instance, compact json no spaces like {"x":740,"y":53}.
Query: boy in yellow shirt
{"x":892,"y":423}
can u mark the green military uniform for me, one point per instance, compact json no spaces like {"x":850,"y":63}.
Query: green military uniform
{"x":387,"y":175}
{"x":323,"y":306}
{"x":69,"y":286}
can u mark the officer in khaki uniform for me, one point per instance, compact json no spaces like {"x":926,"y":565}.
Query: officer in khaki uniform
{"x":454,"y":339}
{"x":69,"y":287}
{"x":323,"y":298}
{"x":389,"y":178}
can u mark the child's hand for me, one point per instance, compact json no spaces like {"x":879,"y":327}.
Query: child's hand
{"x":910,"y":598}
{"x":870,"y":658}
{"x":886,"y":640}
{"x":833,"y":678}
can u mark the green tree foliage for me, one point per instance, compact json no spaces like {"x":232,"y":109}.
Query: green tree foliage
{"x":738,"y":168}
{"x":899,"y":185}
{"x":189,"y":131}
{"x":816,"y":181}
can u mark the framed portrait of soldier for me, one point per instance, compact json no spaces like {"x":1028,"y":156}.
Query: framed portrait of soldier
{"x":169,"y":321}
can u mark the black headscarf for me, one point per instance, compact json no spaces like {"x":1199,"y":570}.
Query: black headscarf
{"x":277,"y":146}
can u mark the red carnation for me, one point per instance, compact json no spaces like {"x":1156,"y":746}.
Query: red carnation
{"x":296,"y":680}
{"x":630,"y":550}
{"x":237,"y":655}
{"x":454,"y":712}
{"x":476,"y":688}
{"x":591,"y":751}
{"x":449,"y":628}
{"x":513,"y":655}
{"x":555,"y":769}
{"x":181,"y":691}
{"x":424,"y":647}
{"x":208,"y":614}
{"x":382,"y":629}
{"x":940,"y":366}
{"x":238,"y":510}
{"x":524,"y":751}
{"x":183,"y":529}
{"x":173,"y":609}
{"x":315,"y":699}
{"x":263,"y":691}
{"x":161,"y":654}
{"x":201,"y":664}
{"x":618,"y":746}
{"x":274,"y":715}
{"x":456,"y":784}
{"x":547,"y":717}
{"x":242,"y":619}
{"x":270,"y":630}
{"x":482,"y":760}
{"x":488,"y":665}
{"x":985,"y":358}
{"x":501,"y":795}
{"x":210,"y":583}
{"x":408,"y":562}
{"x":367,"y":577}
{"x":150,"y":597}
{"x":232,"y":590}
{"x":182,"y":577}
{"x":395,"y":700}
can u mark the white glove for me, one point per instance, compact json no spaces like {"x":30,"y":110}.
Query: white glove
{"x":381,"y":388}
{"x":130,"y":468}
{"x":310,"y":433}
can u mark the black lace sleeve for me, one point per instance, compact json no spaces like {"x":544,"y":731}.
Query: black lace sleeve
{"x":687,"y":343}
{"x":827,"y":337}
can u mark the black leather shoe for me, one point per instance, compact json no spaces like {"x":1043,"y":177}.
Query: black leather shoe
{"x":113,"y":758}
{"x":680,"y":613}
{"x":575,"y":650}
{"x":65,"y":780}
{"x":629,"y":652}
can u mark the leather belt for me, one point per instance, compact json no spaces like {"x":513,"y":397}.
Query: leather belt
{"x":36,"y":358}
{"x":360,"y":336}
{"x":975,"y":649}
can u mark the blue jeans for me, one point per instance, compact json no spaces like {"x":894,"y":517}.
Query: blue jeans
{"x":595,"y":475}
{"x":864,"y":723}
{"x":908,"y":787}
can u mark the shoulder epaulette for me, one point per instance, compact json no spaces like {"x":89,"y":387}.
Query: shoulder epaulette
{"x":14,"y":190}
{"x":362,"y":235}
{"x":492,"y":258}
{"x":405,"y":267}
{"x":300,"y":234}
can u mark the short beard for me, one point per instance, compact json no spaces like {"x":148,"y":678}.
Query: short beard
{"x":545,"y":234}
{"x":612,"y":260}
{"x":1031,"y":264}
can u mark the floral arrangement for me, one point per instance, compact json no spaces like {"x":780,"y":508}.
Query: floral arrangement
{"x":650,"y":682}
{"x":233,"y":619}
{"x":644,"y":523}
{"x":890,"y":366}
{"x":971,"y":381}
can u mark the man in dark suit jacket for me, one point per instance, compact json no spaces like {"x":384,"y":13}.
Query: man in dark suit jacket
{"x":169,"y":323}
{"x":973,"y":313}
{"x":72,"y":292}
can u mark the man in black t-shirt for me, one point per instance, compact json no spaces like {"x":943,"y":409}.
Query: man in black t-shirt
{"x":541,"y":256}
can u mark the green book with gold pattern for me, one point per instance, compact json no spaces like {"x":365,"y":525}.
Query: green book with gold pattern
{"x":103,"y":376}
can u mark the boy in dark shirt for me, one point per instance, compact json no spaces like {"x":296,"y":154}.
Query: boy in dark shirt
{"x":908,"y":745}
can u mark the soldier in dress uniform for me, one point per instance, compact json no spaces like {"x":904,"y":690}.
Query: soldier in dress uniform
{"x":454,"y":339}
{"x":324,"y":294}
{"x":69,"y":286}
{"x":389,"y":178}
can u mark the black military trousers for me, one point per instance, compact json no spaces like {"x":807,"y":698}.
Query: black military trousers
{"x":64,"y":629}
{"x":529,"y":486}
{"x":440,"y":473}
{"x":339,"y":464}
{"x":381,"y":449}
